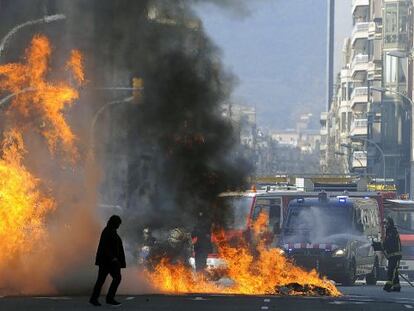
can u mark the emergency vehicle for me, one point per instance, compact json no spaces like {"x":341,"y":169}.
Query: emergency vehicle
{"x":242,"y":209}
{"x":334,"y":236}
{"x":402,"y":212}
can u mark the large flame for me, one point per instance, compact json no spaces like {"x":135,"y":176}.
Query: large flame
{"x":22,"y":205}
{"x":259,"y":272}
{"x":37,"y":106}
{"x":40,"y":104}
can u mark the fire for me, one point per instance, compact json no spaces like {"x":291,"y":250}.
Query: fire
{"x":23,"y":206}
{"x":260,"y":272}
{"x":38,"y":106}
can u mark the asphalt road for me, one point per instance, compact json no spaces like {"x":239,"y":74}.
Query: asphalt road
{"x":359,"y":297}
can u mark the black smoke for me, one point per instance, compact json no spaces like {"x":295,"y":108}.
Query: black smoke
{"x":167,"y":154}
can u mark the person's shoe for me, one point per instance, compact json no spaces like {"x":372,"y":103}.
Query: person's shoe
{"x":95,"y":303}
{"x":396,"y":289}
{"x":113,"y":302}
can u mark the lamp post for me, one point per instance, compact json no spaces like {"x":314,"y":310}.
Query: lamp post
{"x":378,"y":148}
{"x":344,"y":154}
{"x":109,"y":104}
{"x":383,"y":90}
{"x":44,"y":20}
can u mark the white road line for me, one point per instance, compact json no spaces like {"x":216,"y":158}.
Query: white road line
{"x":264,"y":308}
{"x":266,"y":300}
{"x":130,"y":298}
{"x":53,"y":298}
{"x":409,"y":306}
{"x":198,"y":298}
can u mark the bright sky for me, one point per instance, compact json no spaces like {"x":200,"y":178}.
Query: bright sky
{"x":278,"y":53}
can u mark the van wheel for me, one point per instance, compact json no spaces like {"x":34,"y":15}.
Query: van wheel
{"x":350,"y":278}
{"x":371,"y":278}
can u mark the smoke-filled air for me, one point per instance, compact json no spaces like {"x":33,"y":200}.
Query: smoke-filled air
{"x":117,"y":107}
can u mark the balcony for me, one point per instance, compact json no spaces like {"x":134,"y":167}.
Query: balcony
{"x":360,"y":7}
{"x":374,"y":31}
{"x":359,"y":159}
{"x":359,"y":95}
{"x":374,"y":71}
{"x":359,"y":33}
{"x":359,"y":66}
{"x":359,"y":127}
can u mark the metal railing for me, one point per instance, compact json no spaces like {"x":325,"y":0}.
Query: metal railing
{"x":359,"y":91}
{"x":360,"y":27}
{"x":360,"y":59}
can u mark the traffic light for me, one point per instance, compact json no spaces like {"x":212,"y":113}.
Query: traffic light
{"x":138,"y":87}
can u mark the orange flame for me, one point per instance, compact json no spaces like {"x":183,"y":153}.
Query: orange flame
{"x":40,"y":104}
{"x":266,"y":272}
{"x":22,"y":205}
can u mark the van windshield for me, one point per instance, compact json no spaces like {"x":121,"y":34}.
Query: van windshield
{"x":234,"y":211}
{"x":403,"y":219}
{"x":319,"y":221}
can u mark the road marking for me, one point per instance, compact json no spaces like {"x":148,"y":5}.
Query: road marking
{"x":266,"y":300}
{"x":264,"y":308}
{"x":130,"y":298}
{"x":338,"y":302}
{"x":53,"y":298}
{"x":198,"y":298}
{"x":408,"y":306}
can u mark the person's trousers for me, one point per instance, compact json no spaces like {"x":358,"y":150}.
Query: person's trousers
{"x":392,"y":273}
{"x":115,"y":272}
{"x":200,"y":261}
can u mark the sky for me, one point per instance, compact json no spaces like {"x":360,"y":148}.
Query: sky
{"x":278,"y":53}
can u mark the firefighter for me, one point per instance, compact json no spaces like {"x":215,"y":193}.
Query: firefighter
{"x":392,"y":251}
{"x":202,"y":245}
{"x":177,"y":249}
{"x":148,"y":242}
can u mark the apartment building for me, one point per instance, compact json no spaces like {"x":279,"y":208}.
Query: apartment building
{"x":367,"y":129}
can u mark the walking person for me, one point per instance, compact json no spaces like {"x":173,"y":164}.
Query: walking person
{"x":392,"y":251}
{"x":202,"y":245}
{"x":110,"y":258}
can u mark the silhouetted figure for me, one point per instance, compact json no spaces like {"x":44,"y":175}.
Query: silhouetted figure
{"x":392,"y":250}
{"x":202,"y":245}
{"x":110,"y":258}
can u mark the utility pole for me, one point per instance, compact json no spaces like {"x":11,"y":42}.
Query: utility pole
{"x":330,"y":51}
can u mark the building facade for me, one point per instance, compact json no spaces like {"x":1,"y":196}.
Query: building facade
{"x":367,"y":129}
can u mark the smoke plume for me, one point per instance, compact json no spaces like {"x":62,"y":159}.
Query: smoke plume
{"x":158,"y":159}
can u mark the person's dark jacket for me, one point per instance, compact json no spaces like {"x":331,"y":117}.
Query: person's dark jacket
{"x":110,"y":248}
{"x":392,"y":243}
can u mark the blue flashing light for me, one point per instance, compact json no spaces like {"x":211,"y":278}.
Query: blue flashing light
{"x":342,"y":200}
{"x":300,"y":200}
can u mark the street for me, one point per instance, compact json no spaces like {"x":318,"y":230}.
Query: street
{"x":358,"y":297}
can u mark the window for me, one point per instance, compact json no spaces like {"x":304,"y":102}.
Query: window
{"x":343,"y":122}
{"x":344,"y":93}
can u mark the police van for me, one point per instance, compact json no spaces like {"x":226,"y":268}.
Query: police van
{"x":334,"y":236}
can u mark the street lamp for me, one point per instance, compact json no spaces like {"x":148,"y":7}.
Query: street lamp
{"x":383,"y":90}
{"x":44,"y":20}
{"x":349,"y":146}
{"x":376,"y":146}
{"x":112,"y":103}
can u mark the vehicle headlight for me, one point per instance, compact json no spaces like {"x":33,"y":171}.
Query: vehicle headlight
{"x":339,"y":253}
{"x":281,"y":251}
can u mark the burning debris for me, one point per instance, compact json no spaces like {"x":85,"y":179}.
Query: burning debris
{"x":262,"y":271}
